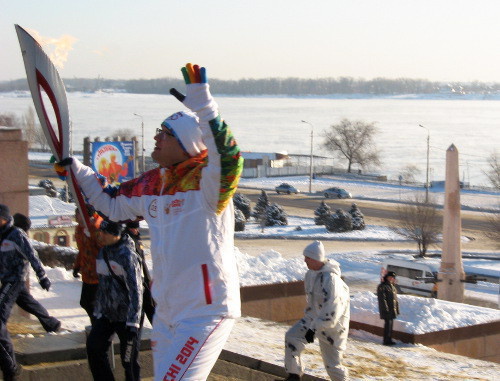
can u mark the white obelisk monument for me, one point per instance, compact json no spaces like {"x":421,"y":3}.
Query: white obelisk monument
{"x":451,"y":273}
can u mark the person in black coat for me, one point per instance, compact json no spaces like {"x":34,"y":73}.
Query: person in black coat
{"x":388,"y":304}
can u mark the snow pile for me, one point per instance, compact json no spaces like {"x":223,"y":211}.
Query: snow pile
{"x":310,"y":230}
{"x":421,"y":315}
{"x":270,"y":267}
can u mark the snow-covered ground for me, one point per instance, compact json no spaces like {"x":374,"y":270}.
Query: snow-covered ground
{"x":365,"y":357}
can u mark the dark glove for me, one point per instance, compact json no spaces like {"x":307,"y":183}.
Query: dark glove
{"x":45,"y":283}
{"x":309,"y":336}
{"x":60,"y":166}
{"x":131,"y":337}
{"x":75,"y":273}
{"x":65,"y":162}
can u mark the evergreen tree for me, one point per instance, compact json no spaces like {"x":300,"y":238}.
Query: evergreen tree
{"x":322,"y":213}
{"x":358,"y":219}
{"x":242,"y":203}
{"x":276,"y":216}
{"x":339,"y":222}
{"x":260,"y":208}
{"x":239,"y":220}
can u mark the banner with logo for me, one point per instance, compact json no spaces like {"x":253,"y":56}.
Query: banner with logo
{"x":113,"y":160}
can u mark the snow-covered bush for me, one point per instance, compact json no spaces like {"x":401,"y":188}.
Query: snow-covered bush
{"x":259,"y":211}
{"x":358,"y":219}
{"x":48,"y":185}
{"x":339,"y":222}
{"x":239,"y":220}
{"x":276,"y":216}
{"x":242,"y":202}
{"x":322,"y":213}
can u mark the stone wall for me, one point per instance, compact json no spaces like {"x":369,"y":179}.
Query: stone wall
{"x":285,"y":303}
{"x":281,"y":302}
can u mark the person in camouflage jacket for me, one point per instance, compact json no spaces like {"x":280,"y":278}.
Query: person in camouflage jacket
{"x":118,"y":304}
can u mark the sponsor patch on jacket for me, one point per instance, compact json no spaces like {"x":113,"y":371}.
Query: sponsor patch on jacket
{"x":175,"y":207}
{"x":153,"y":208}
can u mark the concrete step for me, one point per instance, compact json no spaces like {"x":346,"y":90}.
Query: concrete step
{"x":62,"y":357}
{"x":78,"y":370}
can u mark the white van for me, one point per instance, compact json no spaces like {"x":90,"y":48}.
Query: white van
{"x":413,"y":276}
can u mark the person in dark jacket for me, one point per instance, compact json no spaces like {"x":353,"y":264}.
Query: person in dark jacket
{"x":24,"y":299}
{"x":118,"y":304}
{"x":15,"y":254}
{"x":388,"y":304}
{"x":148,"y":304}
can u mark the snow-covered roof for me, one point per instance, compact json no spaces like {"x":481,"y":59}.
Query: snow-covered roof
{"x":45,"y":211}
{"x":260,"y":155}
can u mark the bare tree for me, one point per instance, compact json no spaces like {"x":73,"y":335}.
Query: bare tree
{"x":409,"y":172}
{"x":493,"y":231}
{"x":353,"y":140}
{"x":9,"y":120}
{"x":420,"y":222}
{"x":123,"y":133}
{"x":494,"y":171}
{"x":30,"y":126}
{"x":40,"y":138}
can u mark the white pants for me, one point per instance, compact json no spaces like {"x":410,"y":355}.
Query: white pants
{"x":329,"y":343}
{"x":189,"y":349}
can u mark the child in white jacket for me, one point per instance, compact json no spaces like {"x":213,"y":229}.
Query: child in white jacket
{"x":326,"y":316}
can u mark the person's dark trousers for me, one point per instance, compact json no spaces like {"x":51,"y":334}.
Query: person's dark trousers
{"x":8,"y":295}
{"x":388,"y":330}
{"x":98,"y":344}
{"x":87,"y":299}
{"x":30,"y":305}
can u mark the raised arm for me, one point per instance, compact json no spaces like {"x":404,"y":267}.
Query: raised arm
{"x":225,"y":163}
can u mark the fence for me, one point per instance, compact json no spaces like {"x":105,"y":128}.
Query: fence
{"x":263,"y":171}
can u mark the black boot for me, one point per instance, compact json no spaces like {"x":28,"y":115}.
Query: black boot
{"x":14,"y":375}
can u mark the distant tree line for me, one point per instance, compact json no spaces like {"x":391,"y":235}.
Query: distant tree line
{"x":275,"y":86}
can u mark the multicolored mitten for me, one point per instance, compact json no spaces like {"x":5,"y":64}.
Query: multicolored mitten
{"x":198,"y":95}
{"x":59,"y":167}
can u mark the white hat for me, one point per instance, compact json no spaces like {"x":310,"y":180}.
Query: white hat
{"x":186,"y":127}
{"x":316,"y":251}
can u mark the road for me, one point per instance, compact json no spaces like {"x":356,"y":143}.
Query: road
{"x":381,"y":211}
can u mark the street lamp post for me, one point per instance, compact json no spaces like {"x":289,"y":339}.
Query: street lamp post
{"x":311,"y":157}
{"x":427,"y":171}
{"x":142,"y":129}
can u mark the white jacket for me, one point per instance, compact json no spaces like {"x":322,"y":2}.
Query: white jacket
{"x":328,"y":301}
{"x":190,"y":214}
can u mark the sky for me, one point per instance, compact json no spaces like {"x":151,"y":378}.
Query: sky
{"x":441,"y":40}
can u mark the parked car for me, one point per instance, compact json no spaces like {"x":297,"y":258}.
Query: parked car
{"x":413,"y":276}
{"x":336,"y":193}
{"x":286,"y":188}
